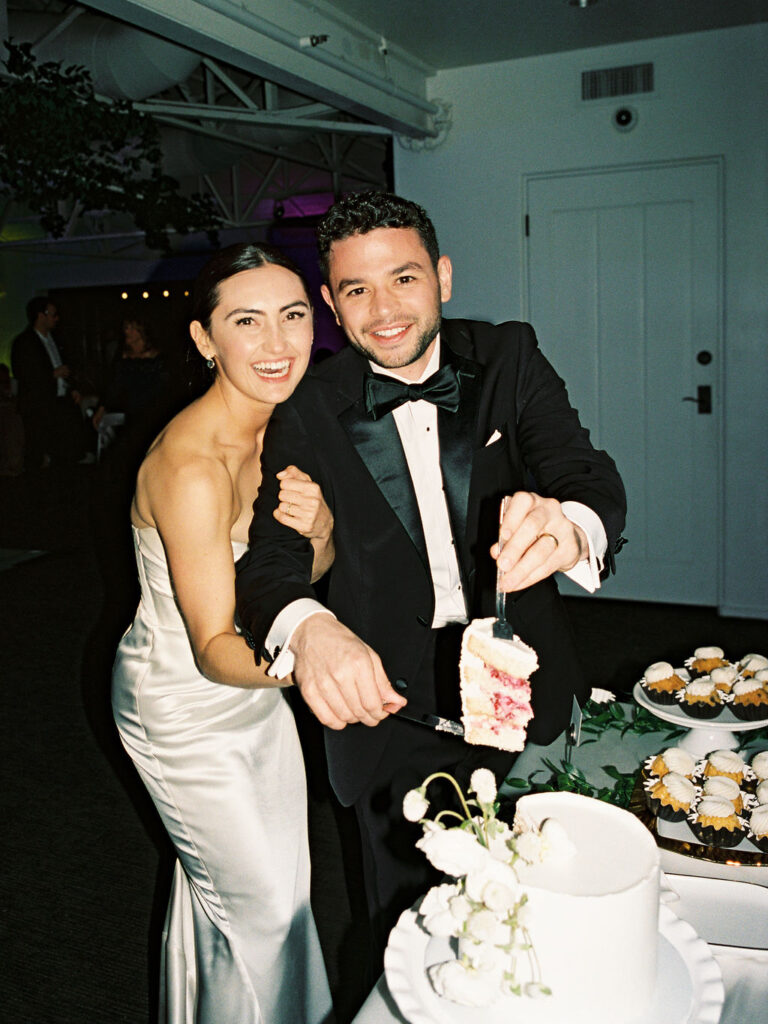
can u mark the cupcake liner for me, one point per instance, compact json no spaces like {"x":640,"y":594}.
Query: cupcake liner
{"x":749,"y":712}
{"x":665,"y":811}
{"x":711,"y":836}
{"x":761,"y":842}
{"x":700,"y":710}
{"x":665,"y":698}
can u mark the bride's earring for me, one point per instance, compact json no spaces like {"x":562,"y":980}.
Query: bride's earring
{"x":210,"y":364}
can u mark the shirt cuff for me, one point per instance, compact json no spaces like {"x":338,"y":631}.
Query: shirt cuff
{"x":282,"y":630}
{"x":586,"y":572}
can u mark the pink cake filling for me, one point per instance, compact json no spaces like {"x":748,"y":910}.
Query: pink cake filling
{"x":512,"y":705}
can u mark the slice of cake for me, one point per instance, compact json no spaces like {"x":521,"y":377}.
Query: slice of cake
{"x":495,"y":692}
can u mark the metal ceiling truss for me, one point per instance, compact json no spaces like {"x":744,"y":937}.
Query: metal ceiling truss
{"x":290,"y":143}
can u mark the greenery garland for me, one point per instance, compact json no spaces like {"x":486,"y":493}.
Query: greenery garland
{"x":598,"y":718}
{"x":62,"y":148}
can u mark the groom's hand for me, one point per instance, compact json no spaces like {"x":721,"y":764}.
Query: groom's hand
{"x":340,"y":677}
{"x":537,"y":540}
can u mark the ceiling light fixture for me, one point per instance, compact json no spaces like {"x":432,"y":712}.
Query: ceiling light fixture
{"x":581,"y":3}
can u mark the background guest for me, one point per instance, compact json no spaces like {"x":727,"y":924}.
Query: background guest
{"x":47,"y":398}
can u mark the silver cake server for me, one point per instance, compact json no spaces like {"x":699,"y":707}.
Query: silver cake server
{"x":501,"y":627}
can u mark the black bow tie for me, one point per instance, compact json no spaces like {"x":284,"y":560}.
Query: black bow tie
{"x":383,"y":394}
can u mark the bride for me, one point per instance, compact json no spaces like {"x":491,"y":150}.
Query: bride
{"x":211,"y":735}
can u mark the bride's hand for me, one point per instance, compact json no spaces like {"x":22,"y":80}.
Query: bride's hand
{"x":302,"y":506}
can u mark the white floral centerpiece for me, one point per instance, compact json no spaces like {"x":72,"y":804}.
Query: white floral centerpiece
{"x":485,"y":907}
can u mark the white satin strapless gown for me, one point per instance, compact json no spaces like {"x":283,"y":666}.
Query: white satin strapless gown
{"x":225,"y":770}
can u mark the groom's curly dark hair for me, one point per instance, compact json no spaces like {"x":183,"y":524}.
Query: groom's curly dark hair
{"x":361,"y":212}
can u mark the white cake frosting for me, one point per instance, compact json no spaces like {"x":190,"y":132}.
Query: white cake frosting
{"x":762,"y":675}
{"x":705,"y":653}
{"x":657,"y":671}
{"x":758,"y":820}
{"x":714,"y":807}
{"x":702,"y":687}
{"x":592,"y":918}
{"x":719,"y":785}
{"x":726,"y":761}
{"x":681,"y":790}
{"x":725,"y":675}
{"x":760,"y":764}
{"x":678,"y":760}
{"x":761,"y":792}
{"x":753,"y":663}
{"x":746,"y":686}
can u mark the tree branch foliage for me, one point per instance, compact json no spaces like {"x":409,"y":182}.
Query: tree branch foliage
{"x":61,"y":147}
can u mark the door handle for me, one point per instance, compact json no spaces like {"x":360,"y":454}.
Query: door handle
{"x":703,"y":399}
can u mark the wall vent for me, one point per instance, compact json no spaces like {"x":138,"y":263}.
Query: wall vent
{"x":610,"y":82}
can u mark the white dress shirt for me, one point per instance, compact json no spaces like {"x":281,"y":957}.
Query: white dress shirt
{"x":56,"y":361}
{"x":416,"y":424}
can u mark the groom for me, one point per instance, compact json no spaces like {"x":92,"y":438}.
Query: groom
{"x":414,"y":433}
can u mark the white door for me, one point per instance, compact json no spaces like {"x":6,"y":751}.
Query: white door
{"x":624,"y":291}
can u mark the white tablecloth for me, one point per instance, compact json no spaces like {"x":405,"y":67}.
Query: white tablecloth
{"x":745,"y":972}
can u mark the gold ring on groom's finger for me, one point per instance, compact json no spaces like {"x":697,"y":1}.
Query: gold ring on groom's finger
{"x":551,"y":537}
{"x":290,"y":508}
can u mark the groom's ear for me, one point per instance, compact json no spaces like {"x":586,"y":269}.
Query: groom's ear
{"x":325,"y":291}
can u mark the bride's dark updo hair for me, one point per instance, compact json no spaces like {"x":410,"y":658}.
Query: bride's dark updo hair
{"x":230,"y":261}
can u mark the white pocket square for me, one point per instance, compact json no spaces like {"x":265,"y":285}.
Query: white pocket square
{"x":494,"y":437}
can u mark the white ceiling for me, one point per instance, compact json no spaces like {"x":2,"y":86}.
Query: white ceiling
{"x":454,"y":33}
{"x":266,"y":118}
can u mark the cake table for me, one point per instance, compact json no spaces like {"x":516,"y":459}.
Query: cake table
{"x":743,"y":958}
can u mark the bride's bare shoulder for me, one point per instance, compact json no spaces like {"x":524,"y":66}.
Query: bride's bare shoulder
{"x":182,"y":465}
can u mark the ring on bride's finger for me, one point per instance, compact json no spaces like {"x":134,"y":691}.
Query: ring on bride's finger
{"x":290,"y":508}
{"x":551,"y":537}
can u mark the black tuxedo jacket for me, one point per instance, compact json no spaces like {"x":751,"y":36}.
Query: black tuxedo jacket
{"x":380,"y":585}
{"x":31,"y":366}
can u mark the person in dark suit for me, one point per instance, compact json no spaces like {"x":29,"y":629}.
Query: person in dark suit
{"x":53,"y":426}
{"x":413,"y":460}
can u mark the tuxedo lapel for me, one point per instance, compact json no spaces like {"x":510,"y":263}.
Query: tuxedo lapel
{"x":457,"y":434}
{"x":378,"y":444}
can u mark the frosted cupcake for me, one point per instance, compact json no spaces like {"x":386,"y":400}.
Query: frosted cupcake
{"x":727,"y":763}
{"x":715,"y":823}
{"x":705,"y":659}
{"x":759,"y":765}
{"x":758,"y":826}
{"x":724,"y":677}
{"x":660,"y":682}
{"x":762,"y":676}
{"x":761,"y":792}
{"x":750,"y":700}
{"x":670,"y":797}
{"x":700,"y":698}
{"x":673,"y":759}
{"x":719,"y":785}
{"x":750,"y":664}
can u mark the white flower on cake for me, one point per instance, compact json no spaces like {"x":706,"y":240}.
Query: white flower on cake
{"x":492,"y":882}
{"x":453,"y":851}
{"x":462,"y":983}
{"x":557,"y":845}
{"x":530,"y":846}
{"x":485,"y":908}
{"x":483,"y":784}
{"x":438,"y":912}
{"x":483,"y":925}
{"x":415,"y":805}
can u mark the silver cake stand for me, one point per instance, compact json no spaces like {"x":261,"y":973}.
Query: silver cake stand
{"x":703,"y":735}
